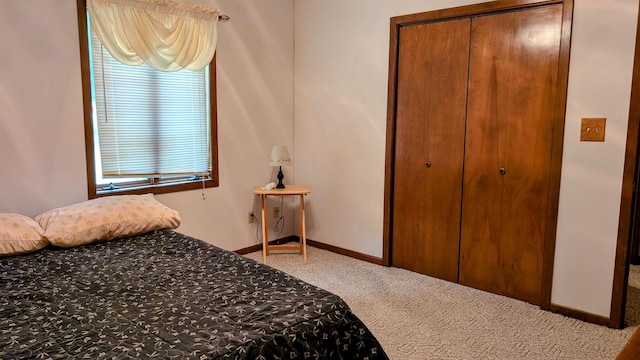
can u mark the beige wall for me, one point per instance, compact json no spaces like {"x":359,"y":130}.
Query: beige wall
{"x":599,"y":86}
{"x":41,"y":134}
{"x":337,"y":141}
{"x":42,"y":161}
{"x":341,"y":57}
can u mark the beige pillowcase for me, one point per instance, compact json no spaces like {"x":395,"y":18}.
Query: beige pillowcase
{"x":20,"y":234}
{"x":106,"y":218}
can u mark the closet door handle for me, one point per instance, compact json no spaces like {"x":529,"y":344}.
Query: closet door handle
{"x":427,"y":164}
{"x":502,"y":171}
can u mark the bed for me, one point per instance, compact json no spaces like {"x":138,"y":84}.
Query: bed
{"x":162,"y":294}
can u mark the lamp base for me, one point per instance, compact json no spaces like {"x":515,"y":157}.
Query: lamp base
{"x":280,"y":177}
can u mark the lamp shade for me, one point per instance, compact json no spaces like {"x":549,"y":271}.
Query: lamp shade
{"x":280,"y":156}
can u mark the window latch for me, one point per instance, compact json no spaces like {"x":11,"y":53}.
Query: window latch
{"x":111,"y":186}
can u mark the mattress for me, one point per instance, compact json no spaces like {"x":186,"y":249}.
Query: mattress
{"x":169,"y":296}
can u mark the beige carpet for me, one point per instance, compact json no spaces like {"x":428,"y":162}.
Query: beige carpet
{"x":419,"y":317}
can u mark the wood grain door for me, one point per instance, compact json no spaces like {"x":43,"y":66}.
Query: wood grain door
{"x":512,"y":89}
{"x":429,"y":150}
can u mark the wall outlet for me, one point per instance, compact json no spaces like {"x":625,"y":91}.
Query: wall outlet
{"x":276,"y":212}
{"x":251,"y":219}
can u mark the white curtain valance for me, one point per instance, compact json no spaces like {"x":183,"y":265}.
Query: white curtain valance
{"x":168,"y":35}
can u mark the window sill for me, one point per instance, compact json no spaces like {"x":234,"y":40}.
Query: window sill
{"x":157,"y":189}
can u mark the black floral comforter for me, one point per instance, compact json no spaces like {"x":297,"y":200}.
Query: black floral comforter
{"x":168,"y":296}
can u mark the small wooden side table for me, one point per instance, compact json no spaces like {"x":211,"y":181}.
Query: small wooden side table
{"x":300,"y":190}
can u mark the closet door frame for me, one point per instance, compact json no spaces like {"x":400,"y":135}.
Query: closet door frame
{"x":558,"y":120}
{"x":629,"y":220}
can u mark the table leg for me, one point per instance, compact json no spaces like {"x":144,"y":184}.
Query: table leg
{"x":301,"y":222}
{"x":303,"y":240}
{"x":265,"y":240}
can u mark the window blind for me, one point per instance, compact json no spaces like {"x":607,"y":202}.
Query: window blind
{"x":150,"y":123}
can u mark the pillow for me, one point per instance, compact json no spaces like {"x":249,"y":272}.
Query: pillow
{"x":20,"y":234}
{"x":106,"y":218}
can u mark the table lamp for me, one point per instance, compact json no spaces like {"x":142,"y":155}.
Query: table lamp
{"x":280,"y":157}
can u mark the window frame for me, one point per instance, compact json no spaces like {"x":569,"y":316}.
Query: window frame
{"x":154,"y":185}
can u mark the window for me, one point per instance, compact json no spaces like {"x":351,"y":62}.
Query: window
{"x":145,"y":130}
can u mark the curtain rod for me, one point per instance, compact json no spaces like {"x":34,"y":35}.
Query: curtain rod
{"x":223,"y":18}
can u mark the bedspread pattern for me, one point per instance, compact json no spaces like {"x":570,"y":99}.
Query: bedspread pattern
{"x":168,"y":296}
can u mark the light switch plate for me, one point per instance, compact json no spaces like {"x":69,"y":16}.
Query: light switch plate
{"x":592,"y":129}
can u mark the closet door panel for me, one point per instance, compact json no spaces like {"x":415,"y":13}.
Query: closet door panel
{"x":512,"y":84}
{"x":429,"y":147}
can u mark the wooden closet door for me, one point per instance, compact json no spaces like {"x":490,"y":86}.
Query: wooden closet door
{"x":429,"y":147}
{"x":512,"y":88}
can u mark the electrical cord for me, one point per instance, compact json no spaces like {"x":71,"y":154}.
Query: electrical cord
{"x":257,"y":227}
{"x":277,"y":228}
